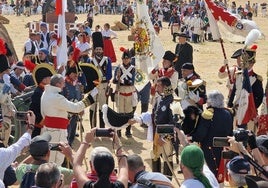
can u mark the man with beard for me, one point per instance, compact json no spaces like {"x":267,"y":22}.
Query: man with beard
{"x":104,"y":65}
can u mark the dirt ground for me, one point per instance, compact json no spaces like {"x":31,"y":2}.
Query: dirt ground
{"x":207,"y":59}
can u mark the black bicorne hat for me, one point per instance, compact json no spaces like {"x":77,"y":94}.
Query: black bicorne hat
{"x":42,"y":71}
{"x":97,"y":40}
{"x":169,"y":56}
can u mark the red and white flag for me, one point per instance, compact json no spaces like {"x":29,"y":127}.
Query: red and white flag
{"x":232,"y":27}
{"x":246,"y":107}
{"x":61,"y":7}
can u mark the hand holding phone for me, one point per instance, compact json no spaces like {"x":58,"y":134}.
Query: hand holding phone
{"x":220,"y":142}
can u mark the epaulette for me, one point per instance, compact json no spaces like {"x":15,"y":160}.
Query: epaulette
{"x":208,"y":113}
{"x":259,"y":77}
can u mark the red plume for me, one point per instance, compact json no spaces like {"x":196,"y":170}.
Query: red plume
{"x":29,"y":65}
{"x":76,"y":52}
{"x":122,"y":49}
{"x":3,"y":49}
{"x":254,"y":47}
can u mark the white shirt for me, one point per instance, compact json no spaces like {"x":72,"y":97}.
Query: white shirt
{"x":108,"y":33}
{"x":8,"y":155}
{"x":192,"y":183}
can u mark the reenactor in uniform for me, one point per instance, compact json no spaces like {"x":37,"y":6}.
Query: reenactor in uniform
{"x":233,"y":70}
{"x":167,"y":70}
{"x":162,"y":115}
{"x":104,"y":65}
{"x":5,"y":100}
{"x":255,"y":82}
{"x":191,"y":89}
{"x":72,"y":91}
{"x":41,"y":76}
{"x":184,"y":52}
{"x":126,"y":93}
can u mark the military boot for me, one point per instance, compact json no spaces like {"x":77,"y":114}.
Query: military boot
{"x":156,"y":165}
{"x":102,"y":124}
{"x":92,"y":119}
{"x":167,"y":171}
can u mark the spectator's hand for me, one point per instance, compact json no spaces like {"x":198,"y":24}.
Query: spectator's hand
{"x":90,"y":136}
{"x":236,"y":146}
{"x":252,"y":140}
{"x":66,"y":150}
{"x":194,"y":96}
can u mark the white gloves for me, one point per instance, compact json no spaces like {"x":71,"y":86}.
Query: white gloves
{"x":225,"y":61}
{"x":94,"y":92}
{"x":6,"y":79}
{"x":194,"y":96}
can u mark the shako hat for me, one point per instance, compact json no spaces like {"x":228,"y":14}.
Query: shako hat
{"x":97,"y":40}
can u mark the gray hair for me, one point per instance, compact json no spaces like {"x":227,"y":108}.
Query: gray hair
{"x":215,"y":99}
{"x":238,"y":179}
{"x":47,"y":175}
{"x":55,"y":79}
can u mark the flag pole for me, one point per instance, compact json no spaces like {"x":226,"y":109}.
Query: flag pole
{"x":227,"y":65}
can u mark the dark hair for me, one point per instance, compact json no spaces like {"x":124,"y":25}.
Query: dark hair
{"x":104,"y":166}
{"x":134,"y":162}
{"x":165,"y":81}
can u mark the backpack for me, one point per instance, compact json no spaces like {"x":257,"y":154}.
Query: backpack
{"x":28,"y":179}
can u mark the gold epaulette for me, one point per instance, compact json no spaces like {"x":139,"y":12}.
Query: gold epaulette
{"x":208,"y":113}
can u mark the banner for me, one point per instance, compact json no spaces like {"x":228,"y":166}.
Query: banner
{"x":232,"y":27}
{"x":149,"y":50}
{"x":61,"y":7}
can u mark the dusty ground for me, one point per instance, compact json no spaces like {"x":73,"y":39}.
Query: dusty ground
{"x":207,"y":60}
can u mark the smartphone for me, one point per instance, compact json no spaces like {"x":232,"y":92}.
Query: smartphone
{"x":220,"y":142}
{"x":102,"y":132}
{"x":21,"y":116}
{"x":229,"y":154}
{"x":54,"y":147}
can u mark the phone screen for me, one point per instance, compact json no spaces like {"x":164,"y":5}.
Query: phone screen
{"x":220,"y":142}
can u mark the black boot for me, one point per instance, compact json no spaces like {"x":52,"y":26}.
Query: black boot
{"x":156,"y":165}
{"x":144,"y":108}
{"x":167,"y":171}
{"x":102,"y":125}
{"x":119,"y":133}
{"x":92,"y":119}
{"x":128,"y":131}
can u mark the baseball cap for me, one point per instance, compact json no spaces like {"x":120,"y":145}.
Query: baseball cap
{"x":262,"y":143}
{"x":40,"y":145}
{"x":256,"y":182}
{"x":239,"y":165}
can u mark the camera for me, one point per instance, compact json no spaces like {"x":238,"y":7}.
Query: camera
{"x":21,"y":116}
{"x":229,"y":154}
{"x":102,"y":132}
{"x":165,"y":129}
{"x":241,"y":135}
{"x":54,"y":147}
